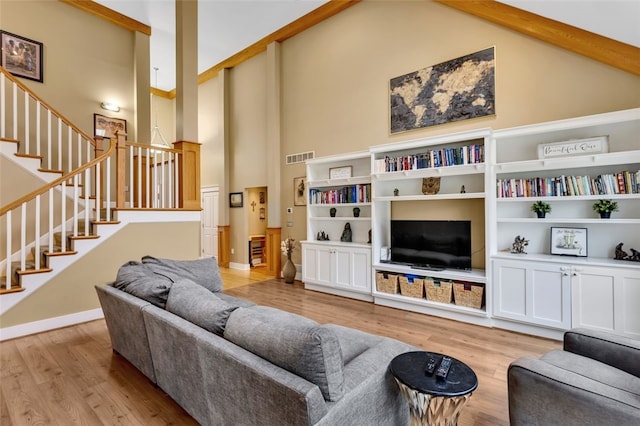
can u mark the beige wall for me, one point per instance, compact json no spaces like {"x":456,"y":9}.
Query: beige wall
{"x":257,"y":226}
{"x":73,"y":289}
{"x":86,"y":59}
{"x":335,"y":79}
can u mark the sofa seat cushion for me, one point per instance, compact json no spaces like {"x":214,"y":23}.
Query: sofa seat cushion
{"x":138,"y":280}
{"x":201,"y":271}
{"x":353,"y":342}
{"x":235,"y":300}
{"x":199,"y":306}
{"x":627,"y":384}
{"x":292,"y":342}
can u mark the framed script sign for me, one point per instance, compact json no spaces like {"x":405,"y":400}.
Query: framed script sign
{"x":594,"y":145}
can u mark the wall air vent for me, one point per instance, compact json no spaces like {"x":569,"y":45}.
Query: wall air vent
{"x":300,"y":158}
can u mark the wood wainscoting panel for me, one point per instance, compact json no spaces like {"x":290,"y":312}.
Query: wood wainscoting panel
{"x":274,"y":256}
{"x":224,"y":245}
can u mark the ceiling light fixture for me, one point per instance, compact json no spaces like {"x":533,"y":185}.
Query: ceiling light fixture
{"x":110,"y":106}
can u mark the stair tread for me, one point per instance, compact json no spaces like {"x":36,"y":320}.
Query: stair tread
{"x":11,"y":140}
{"x":19,"y":154}
{"x":60,"y":172}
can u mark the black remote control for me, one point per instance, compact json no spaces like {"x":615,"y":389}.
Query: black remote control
{"x":431,"y":366}
{"x":443,"y":370}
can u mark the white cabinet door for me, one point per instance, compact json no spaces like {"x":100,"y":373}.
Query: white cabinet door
{"x":550,"y":295}
{"x":533,"y":292}
{"x":606,"y":299}
{"x":510,"y":290}
{"x":353,"y":268}
{"x":316,"y":264}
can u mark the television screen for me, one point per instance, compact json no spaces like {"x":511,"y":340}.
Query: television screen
{"x":431,"y":244}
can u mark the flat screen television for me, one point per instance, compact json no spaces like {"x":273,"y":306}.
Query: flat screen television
{"x":431,"y":244}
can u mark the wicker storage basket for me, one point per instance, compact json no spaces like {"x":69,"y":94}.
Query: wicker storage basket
{"x":387,"y":283}
{"x":411,"y":285}
{"x":438,"y":290}
{"x":468,"y":294}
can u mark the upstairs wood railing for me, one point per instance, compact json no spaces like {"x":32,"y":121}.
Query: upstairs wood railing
{"x":96,"y":180}
{"x":42,"y":131}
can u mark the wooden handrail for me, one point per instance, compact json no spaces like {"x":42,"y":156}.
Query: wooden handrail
{"x":53,"y":184}
{"x":49,"y":107}
{"x":141,"y":145}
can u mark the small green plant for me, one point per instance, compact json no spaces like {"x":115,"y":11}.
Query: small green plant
{"x":604,"y":206}
{"x":541,"y":207}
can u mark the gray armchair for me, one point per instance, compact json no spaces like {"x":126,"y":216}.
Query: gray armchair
{"x":595,"y":380}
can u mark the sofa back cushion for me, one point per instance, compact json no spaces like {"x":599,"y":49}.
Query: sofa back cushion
{"x":201,"y":271}
{"x":140,"y":281}
{"x":292,"y":342}
{"x":198,"y":305}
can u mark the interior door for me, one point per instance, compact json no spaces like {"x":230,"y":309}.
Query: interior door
{"x":209,"y":221}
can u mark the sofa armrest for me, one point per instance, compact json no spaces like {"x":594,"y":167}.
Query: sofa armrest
{"x":617,"y":351}
{"x":543,"y":394}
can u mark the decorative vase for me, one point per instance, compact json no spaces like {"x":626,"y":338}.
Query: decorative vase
{"x":289,"y":271}
{"x":605,"y":215}
{"x":541,"y":215}
{"x":356,"y":212}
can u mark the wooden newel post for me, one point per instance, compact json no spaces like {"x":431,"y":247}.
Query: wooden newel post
{"x":121,"y":170}
{"x":189,"y":174}
{"x":99,"y":180}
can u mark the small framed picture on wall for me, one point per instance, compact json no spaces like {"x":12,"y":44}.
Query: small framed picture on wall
{"x":235,"y":199}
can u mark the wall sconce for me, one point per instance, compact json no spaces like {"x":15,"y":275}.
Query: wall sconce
{"x":110,"y":106}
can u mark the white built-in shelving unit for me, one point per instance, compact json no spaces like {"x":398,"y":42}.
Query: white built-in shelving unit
{"x":537,"y":292}
{"x":334,"y":266}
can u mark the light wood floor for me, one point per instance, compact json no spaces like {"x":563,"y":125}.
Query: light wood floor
{"x":70,"y":376}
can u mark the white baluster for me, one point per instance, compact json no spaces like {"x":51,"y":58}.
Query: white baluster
{"x":139,"y":177}
{"x":148,"y":182}
{"x":108,"y":191}
{"x":37,"y":233}
{"x":9,"y":251}
{"x":130,"y":163}
{"x":163,"y":184}
{"x":176,"y":181}
{"x":27,"y":133}
{"x":87,"y":179}
{"x":59,"y":142}
{"x":3,"y":114}
{"x":79,"y":150}
{"x":76,"y":185}
{"x":154,"y":183}
{"x":50,"y":220}
{"x":170,"y":182}
{"x":63,"y":216}
{"x":98,"y":204}
{"x":38,"y":128}
{"x":23,"y":236}
{"x":15,"y":110}
{"x":69,"y":154}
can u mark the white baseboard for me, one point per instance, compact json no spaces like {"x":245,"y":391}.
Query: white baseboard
{"x":49,"y":324}
{"x":240,"y":266}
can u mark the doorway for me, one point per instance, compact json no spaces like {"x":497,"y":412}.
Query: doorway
{"x":257,"y":226}
{"x":209,"y":221}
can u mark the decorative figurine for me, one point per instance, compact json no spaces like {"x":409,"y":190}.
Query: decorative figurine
{"x":463,"y":190}
{"x":396,"y":192}
{"x":518,"y":245}
{"x":346,"y":233}
{"x":322,"y":236}
{"x":623,"y":255}
{"x":356,"y":212}
{"x":369,"y":242}
{"x":431,"y":185}
{"x":332,"y":212}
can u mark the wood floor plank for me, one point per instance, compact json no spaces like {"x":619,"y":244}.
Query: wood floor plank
{"x":71,"y":376}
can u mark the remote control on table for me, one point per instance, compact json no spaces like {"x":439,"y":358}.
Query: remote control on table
{"x":431,"y":366}
{"x":443,"y":370}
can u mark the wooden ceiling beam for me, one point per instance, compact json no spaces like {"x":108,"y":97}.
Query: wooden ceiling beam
{"x":608,"y":51}
{"x":110,"y":15}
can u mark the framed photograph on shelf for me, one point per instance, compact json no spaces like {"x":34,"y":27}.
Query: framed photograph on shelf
{"x":569,"y":241}
{"x":107,"y":127}
{"x":21,"y":56}
{"x":300,"y":191}
{"x":340,"y":172}
{"x":235,"y":199}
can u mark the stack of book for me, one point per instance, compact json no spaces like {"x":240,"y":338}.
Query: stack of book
{"x":626,"y":182}
{"x":360,"y":193}
{"x":443,"y":157}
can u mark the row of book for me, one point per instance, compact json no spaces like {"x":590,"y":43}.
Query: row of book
{"x":627,"y":182}
{"x":360,"y":193}
{"x":471,"y":154}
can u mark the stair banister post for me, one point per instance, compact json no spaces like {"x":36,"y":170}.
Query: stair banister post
{"x":121,"y":170}
{"x":98,"y":176}
{"x":188,"y":174}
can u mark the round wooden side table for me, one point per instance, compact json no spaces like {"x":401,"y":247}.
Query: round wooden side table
{"x":432,"y":400}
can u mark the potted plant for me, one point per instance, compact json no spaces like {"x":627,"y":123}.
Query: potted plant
{"x":541,"y":208}
{"x":605,"y":207}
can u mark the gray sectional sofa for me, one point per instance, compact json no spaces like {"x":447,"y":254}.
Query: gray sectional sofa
{"x":227,"y":361}
{"x":593,"y":381}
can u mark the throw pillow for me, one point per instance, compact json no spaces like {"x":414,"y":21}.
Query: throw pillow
{"x":198,"y":305}
{"x":201,"y":271}
{"x":140,"y":281}
{"x":292,"y":342}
